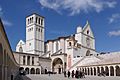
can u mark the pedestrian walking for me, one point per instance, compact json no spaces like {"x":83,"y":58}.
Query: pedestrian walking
{"x":64,"y":73}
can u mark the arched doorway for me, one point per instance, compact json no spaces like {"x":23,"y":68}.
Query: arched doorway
{"x":37,"y":71}
{"x":117,"y":70}
{"x":32,"y":71}
{"x":91,"y":71}
{"x":27,"y":70}
{"x":111,"y":71}
{"x":102,"y":70}
{"x":88,"y":53}
{"x":94,"y":71}
{"x":107,"y":71}
{"x":88,"y":71}
{"x":57,"y":65}
{"x":98,"y":70}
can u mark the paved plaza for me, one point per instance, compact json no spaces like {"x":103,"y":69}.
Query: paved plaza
{"x":61,"y":77}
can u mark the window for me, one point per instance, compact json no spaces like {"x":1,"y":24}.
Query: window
{"x":28,"y":60}
{"x":41,"y":21}
{"x":39,"y":29}
{"x":32,"y":60}
{"x":36,"y":19}
{"x":69,"y":43}
{"x":20,"y":49}
{"x":28,"y":21}
{"x":87,"y":31}
{"x":23,"y":60}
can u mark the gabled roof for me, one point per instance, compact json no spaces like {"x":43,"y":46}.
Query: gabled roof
{"x":87,"y":27}
{"x":21,"y":42}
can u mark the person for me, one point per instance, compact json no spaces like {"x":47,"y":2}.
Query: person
{"x":64,"y":73}
{"x":72,"y":73}
{"x":68,"y":74}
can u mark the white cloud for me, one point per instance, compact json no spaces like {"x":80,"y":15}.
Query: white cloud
{"x":76,"y":6}
{"x":114,"y":33}
{"x":114,"y":17}
{"x":7,"y":23}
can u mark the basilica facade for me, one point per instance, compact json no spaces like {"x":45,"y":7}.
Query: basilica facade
{"x":76,"y":51}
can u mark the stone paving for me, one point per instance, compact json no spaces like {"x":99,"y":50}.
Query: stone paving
{"x":61,"y":77}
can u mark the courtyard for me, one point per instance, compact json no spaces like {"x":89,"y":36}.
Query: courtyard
{"x":61,"y":77}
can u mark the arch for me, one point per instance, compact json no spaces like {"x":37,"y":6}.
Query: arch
{"x":21,"y":68}
{"x":32,"y":71}
{"x":27,"y":70}
{"x":57,"y":65}
{"x":98,"y":70}
{"x":88,"y":71}
{"x":117,"y":70}
{"x":88,"y":53}
{"x":102,"y":70}
{"x":91,"y":71}
{"x":111,"y":71}
{"x":82,"y":69}
{"x":37,"y":71}
{"x":70,"y":43}
{"x":94,"y":71}
{"x":107,"y":71}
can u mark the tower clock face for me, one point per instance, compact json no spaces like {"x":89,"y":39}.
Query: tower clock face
{"x":88,"y":41}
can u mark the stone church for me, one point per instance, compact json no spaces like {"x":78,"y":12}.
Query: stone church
{"x":76,"y":51}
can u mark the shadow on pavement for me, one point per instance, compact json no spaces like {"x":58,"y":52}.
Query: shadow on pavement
{"x":21,"y":77}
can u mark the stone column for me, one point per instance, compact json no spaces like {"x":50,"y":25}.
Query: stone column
{"x":114,"y":70}
{"x":96,"y":71}
{"x":109,"y":70}
{"x":25,"y":60}
{"x":93,"y":70}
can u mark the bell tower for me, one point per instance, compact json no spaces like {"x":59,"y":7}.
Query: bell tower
{"x":35,"y":34}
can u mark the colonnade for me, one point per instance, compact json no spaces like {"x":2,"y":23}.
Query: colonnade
{"x":110,"y":70}
{"x":31,"y":70}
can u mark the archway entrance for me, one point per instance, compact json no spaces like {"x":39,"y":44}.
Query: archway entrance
{"x":117,"y":70}
{"x":57,"y":65}
{"x":111,"y":71}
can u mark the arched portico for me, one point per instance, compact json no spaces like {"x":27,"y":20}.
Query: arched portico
{"x":117,"y":70}
{"x":37,"y":71}
{"x":94,"y":71}
{"x":27,"y":70}
{"x":32,"y":71}
{"x":98,"y":70}
{"x":57,"y":65}
{"x":107,"y":71}
{"x":111,"y":71}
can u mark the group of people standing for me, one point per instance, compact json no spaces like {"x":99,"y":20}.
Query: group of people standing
{"x":74,"y":74}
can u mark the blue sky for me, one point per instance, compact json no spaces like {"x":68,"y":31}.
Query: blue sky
{"x":62,"y":18}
